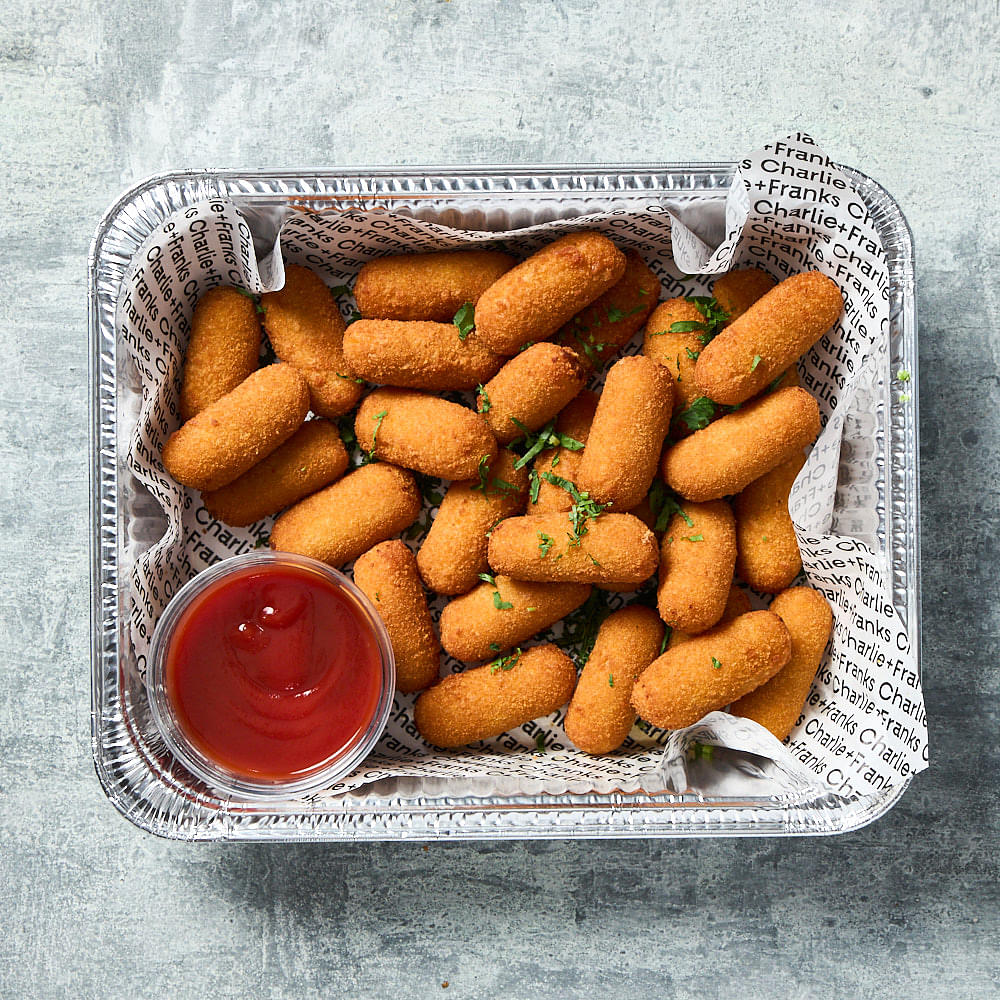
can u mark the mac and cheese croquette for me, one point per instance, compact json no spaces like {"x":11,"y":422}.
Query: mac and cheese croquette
{"x":627,"y":433}
{"x":367,"y":506}
{"x":486,"y":701}
{"x":530,"y":389}
{"x":223,"y":349}
{"x":599,"y":332}
{"x":313,"y":457}
{"x":424,"y":433}
{"x":733,"y":451}
{"x":768,"y":556}
{"x":533,"y":300}
{"x":676,"y":350}
{"x":493,"y":617}
{"x":547,"y":548}
{"x":777,"y":703}
{"x":737,"y":603}
{"x":454,"y":552}
{"x":600,"y":713}
{"x":231,"y":435}
{"x":775,"y":331}
{"x":736,"y":291}
{"x":418,"y":355}
{"x":306,"y":329}
{"x":574,"y":421}
{"x":712,"y":669}
{"x":427,"y":286}
{"x":696,"y":566}
{"x":387,"y":575}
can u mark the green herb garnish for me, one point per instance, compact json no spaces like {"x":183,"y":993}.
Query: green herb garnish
{"x":583,"y":510}
{"x":540,"y":743}
{"x":693,"y":538}
{"x":667,"y":633}
{"x":582,"y":625}
{"x":774,"y":385}
{"x":715,"y":316}
{"x":616,"y":315}
{"x":698,"y":415}
{"x":378,"y":418}
{"x":715,"y":664}
{"x":664,"y":503}
{"x":495,"y":647}
{"x":507,"y":662}
{"x":484,"y":399}
{"x":693,"y":355}
{"x":755,"y":362}
{"x":686,"y":326}
{"x":465,"y":320}
{"x":547,"y":437}
{"x":611,"y":680}
{"x":534,"y":485}
{"x":499,"y":603}
{"x":545,"y":542}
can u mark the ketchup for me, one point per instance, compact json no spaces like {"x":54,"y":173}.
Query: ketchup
{"x":272,"y":670}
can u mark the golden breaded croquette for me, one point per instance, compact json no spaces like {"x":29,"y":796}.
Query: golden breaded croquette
{"x":696,"y":566}
{"x":777,"y":703}
{"x":737,"y":603}
{"x":600,"y":713}
{"x":677,"y":351}
{"x":233,"y":434}
{"x":418,"y":355}
{"x":711,"y":670}
{"x":736,"y":449}
{"x":776,"y":330}
{"x":306,"y":329}
{"x":424,"y":433}
{"x":454,"y":552}
{"x":767,"y":550}
{"x":533,"y":300}
{"x":484,"y":702}
{"x":736,"y":291}
{"x":626,"y":436}
{"x":574,"y":421}
{"x":387,"y":576}
{"x":495,"y":616}
{"x":367,"y":506}
{"x":616,"y":548}
{"x":223,"y":349}
{"x":599,"y":332}
{"x":313,"y":457}
{"x":431,"y":286}
{"x":531,"y":389}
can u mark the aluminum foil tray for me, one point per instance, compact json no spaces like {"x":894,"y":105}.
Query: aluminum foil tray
{"x":877,"y":500}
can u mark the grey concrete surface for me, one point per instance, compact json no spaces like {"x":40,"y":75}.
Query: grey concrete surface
{"x":95,"y":95}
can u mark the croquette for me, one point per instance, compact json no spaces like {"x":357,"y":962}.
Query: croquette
{"x":676,"y":350}
{"x":231,"y":435}
{"x":574,"y":421}
{"x":486,"y":701}
{"x":736,"y":291}
{"x":711,"y":670}
{"x":313,"y":457}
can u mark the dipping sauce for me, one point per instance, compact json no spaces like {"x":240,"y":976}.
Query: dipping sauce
{"x":272,"y":670}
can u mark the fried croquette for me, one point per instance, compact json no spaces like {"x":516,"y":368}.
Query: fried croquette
{"x":223,"y":348}
{"x":574,"y":421}
{"x":696,"y":566}
{"x":599,"y":332}
{"x":712,"y":669}
{"x":486,"y":701}
{"x":737,"y":603}
{"x":313,"y":457}
{"x":767,"y":550}
{"x":387,"y":575}
{"x":736,"y":291}
{"x":776,"y":330}
{"x":427,"y":286}
{"x":367,"y":506}
{"x":230,"y":436}
{"x":530,"y":390}
{"x":418,"y":355}
{"x":424,"y":433}
{"x":676,"y":350}
{"x":454,"y":552}
{"x":495,"y":616}
{"x":548,"y":548}
{"x":777,"y":703}
{"x":306,"y":329}
{"x":600,"y":714}
{"x":533,"y":300}
{"x":626,"y":436}
{"x":729,"y":454}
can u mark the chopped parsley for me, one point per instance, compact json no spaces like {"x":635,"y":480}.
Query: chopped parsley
{"x":547,"y":437}
{"x":355,"y":316}
{"x":667,"y":633}
{"x":715,"y":664}
{"x":583,"y":510}
{"x":534,"y":485}
{"x":715,"y":316}
{"x":611,"y":680}
{"x":594,"y":561}
{"x":499,"y":603}
{"x":755,"y":362}
{"x":582,"y":625}
{"x":774,"y":385}
{"x":378,"y":418}
{"x":540,"y":742}
{"x":507,"y":662}
{"x":616,"y":315}
{"x":664,"y":503}
{"x":495,"y":647}
{"x":349,"y":378}
{"x":486,"y":578}
{"x":545,"y":542}
{"x":698,"y":415}
{"x":687,"y":326}
{"x":465,"y":320}
{"x":484,"y":399}
{"x":693,"y":355}
{"x":693,"y":538}
{"x":339,"y":290}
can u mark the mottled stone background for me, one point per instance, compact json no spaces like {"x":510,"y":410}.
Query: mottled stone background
{"x":95,"y":95}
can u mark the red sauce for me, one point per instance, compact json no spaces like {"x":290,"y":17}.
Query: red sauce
{"x":271,"y":671}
